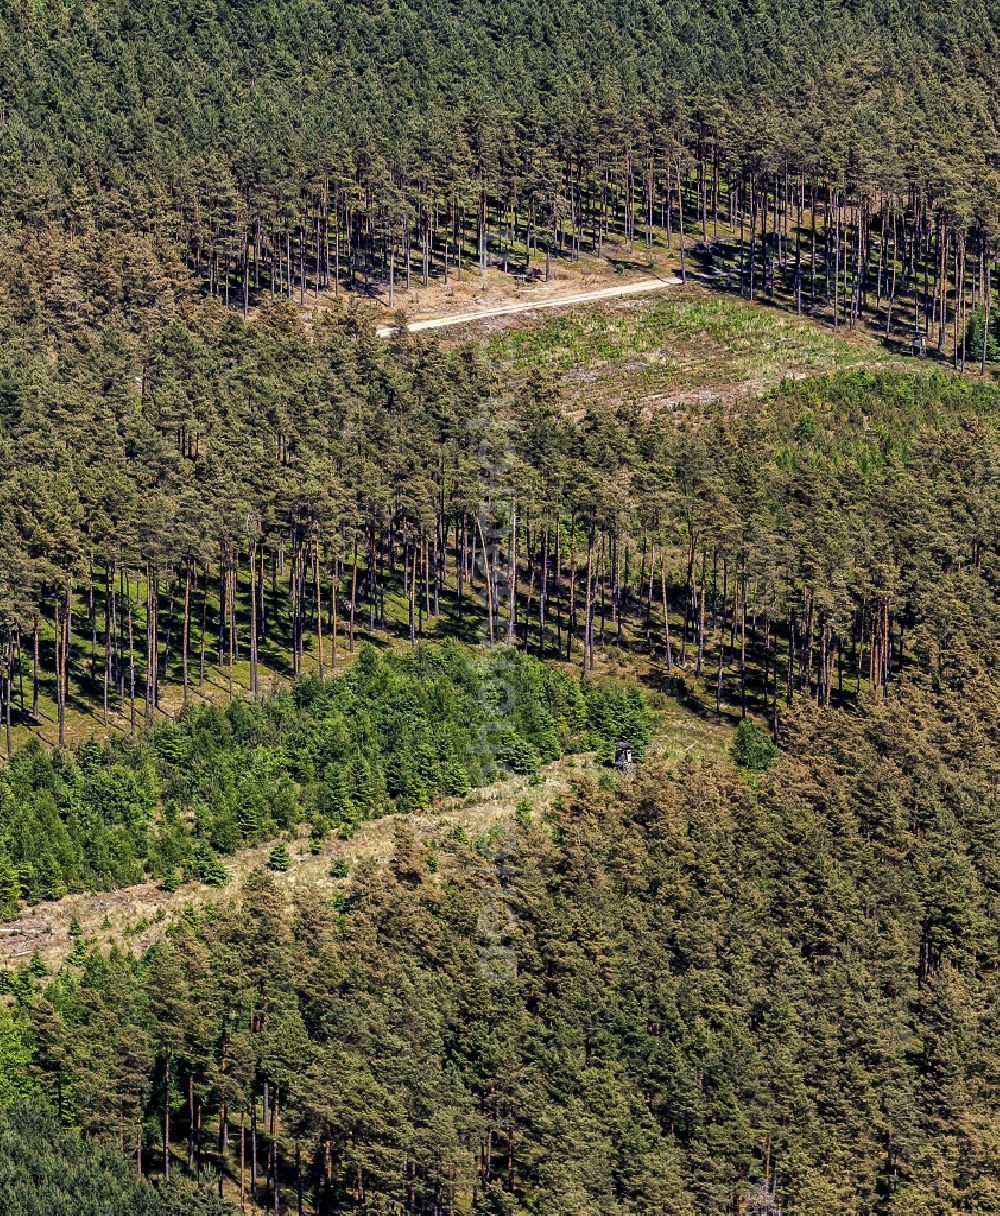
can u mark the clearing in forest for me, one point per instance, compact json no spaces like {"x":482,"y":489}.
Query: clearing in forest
{"x":686,"y":346}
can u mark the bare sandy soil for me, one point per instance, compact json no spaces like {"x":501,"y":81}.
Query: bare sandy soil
{"x":528,"y":301}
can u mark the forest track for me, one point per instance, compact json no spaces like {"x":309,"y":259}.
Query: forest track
{"x":132,"y":919}
{"x":643,"y":286}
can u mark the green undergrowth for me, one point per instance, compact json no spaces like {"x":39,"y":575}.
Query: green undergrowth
{"x":691,"y":339}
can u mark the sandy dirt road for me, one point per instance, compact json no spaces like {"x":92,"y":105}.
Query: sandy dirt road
{"x":522,"y":305}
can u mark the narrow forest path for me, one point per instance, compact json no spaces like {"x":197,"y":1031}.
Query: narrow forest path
{"x":521,"y":305}
{"x":133,"y":918}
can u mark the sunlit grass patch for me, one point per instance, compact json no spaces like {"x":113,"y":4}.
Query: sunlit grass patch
{"x":693,"y":339}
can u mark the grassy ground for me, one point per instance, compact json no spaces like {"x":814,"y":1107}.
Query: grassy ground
{"x":688,"y":345}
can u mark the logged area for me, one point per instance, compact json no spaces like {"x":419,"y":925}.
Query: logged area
{"x":499,"y":632}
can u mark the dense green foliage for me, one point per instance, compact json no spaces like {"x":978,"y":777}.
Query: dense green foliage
{"x":152,"y":447}
{"x":653,"y":1000}
{"x":977,"y":332}
{"x":752,"y":749}
{"x":47,"y":1170}
{"x":760,"y":983}
{"x":672,"y":997}
{"x":392,"y":734}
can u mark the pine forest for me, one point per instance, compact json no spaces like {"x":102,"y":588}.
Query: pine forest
{"x":499,"y":632}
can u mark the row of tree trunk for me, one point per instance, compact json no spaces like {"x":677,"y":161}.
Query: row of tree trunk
{"x":562,"y":589}
{"x":787,"y":234}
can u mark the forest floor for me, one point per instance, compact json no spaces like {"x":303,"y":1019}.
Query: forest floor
{"x":472,"y":291}
{"x":133,"y":918}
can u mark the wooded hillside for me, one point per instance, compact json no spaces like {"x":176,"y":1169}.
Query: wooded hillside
{"x":707,"y":991}
{"x":265,"y":573}
{"x":275,"y":492}
{"x":285,"y":148}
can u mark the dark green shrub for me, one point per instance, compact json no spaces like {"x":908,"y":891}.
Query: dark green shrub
{"x":753,"y":749}
{"x":280,"y":858}
{"x":974,"y":337}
